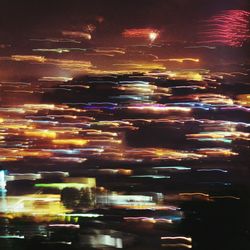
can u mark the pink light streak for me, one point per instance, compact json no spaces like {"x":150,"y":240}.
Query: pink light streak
{"x":229,"y":27}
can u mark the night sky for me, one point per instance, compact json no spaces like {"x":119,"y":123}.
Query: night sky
{"x":177,"y":19}
{"x":94,"y":29}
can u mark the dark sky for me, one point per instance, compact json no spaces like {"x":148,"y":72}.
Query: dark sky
{"x":26,"y":18}
{"x":24,"y":22}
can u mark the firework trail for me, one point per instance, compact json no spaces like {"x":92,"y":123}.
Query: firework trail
{"x":229,"y":27}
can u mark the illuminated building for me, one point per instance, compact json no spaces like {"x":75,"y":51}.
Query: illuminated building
{"x":3,"y":205}
{"x":2,"y":182}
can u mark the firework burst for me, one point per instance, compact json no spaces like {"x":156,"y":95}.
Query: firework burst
{"x":229,"y":27}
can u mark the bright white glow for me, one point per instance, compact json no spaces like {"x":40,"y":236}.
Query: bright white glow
{"x":152,"y":36}
{"x":2,"y":180}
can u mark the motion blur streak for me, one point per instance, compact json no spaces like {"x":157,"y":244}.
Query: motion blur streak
{"x":229,"y":27}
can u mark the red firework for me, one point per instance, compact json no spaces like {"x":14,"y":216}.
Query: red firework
{"x":141,"y":33}
{"x":229,"y":27}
